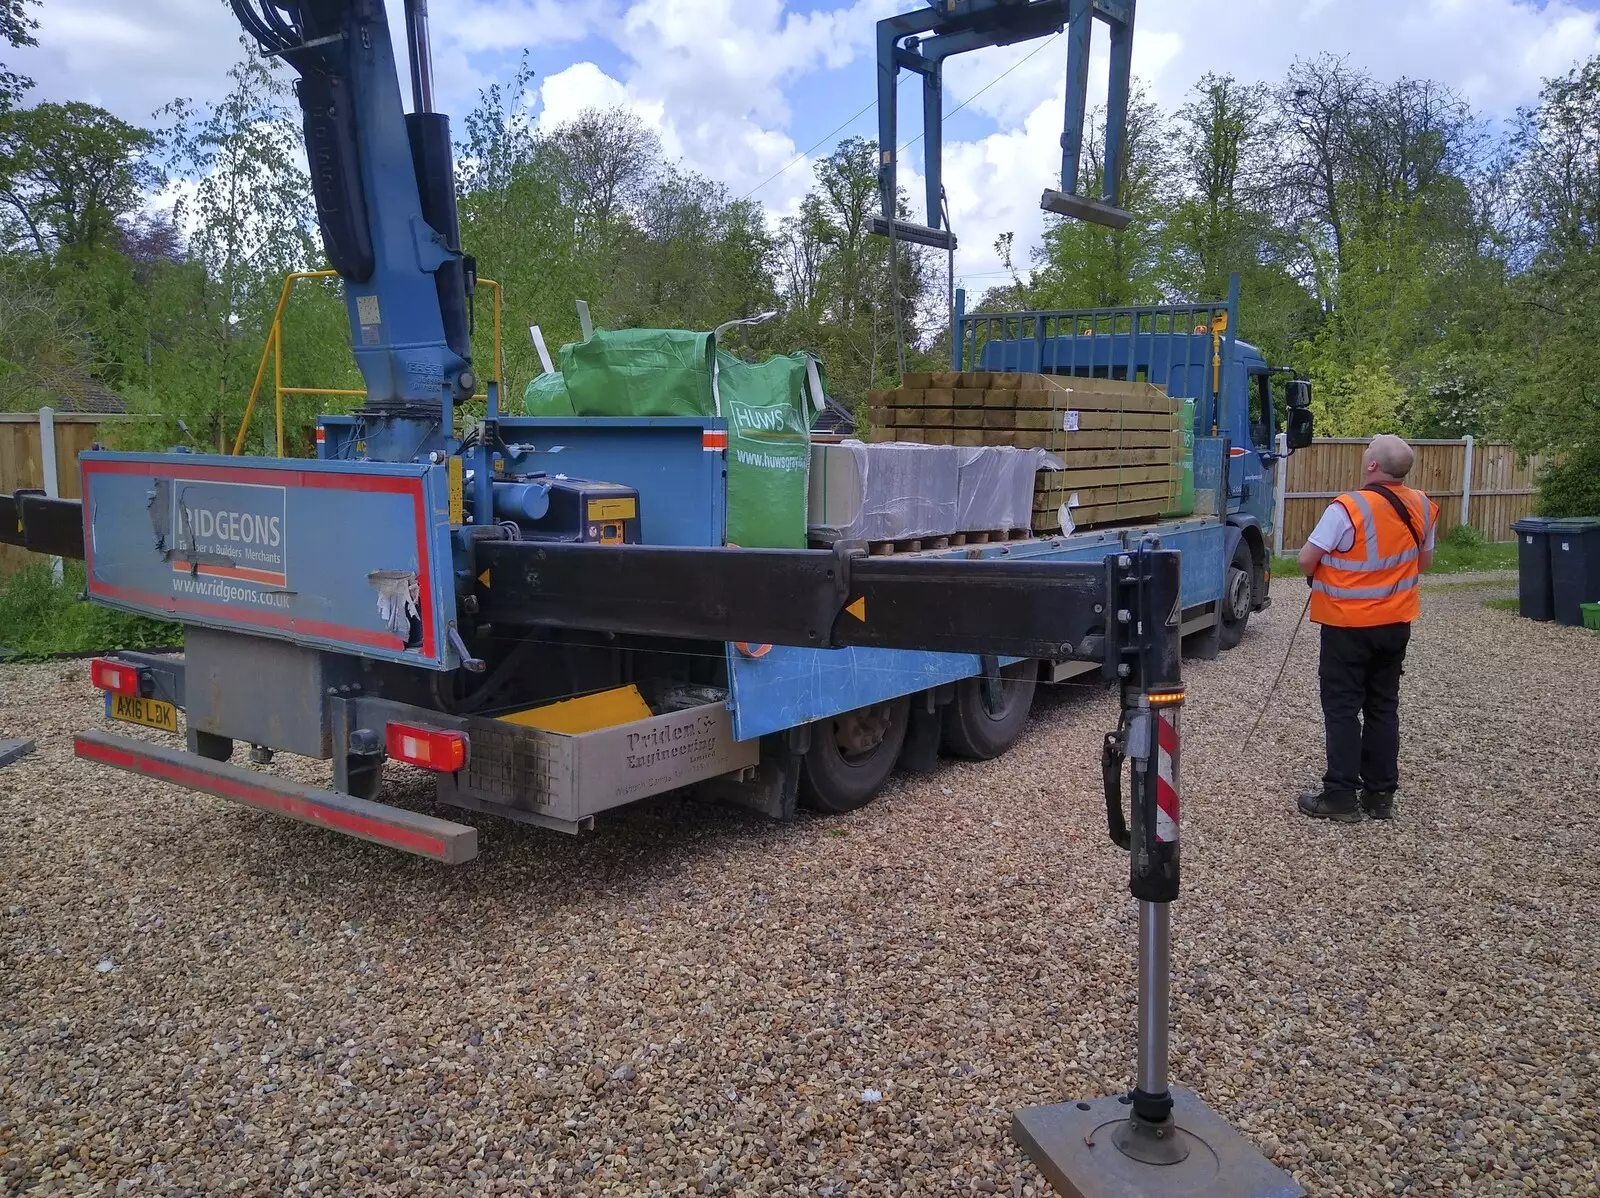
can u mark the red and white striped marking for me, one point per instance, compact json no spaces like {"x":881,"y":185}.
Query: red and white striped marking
{"x":714,"y":439}
{"x":1166,"y":784}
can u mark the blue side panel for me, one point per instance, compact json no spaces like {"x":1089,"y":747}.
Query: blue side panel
{"x":679,"y":471}
{"x":1200,"y":567}
{"x":792,"y":686}
{"x":318,"y":553}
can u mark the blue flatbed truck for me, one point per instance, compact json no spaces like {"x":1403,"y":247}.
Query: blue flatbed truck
{"x":301,"y":637}
{"x":545,"y":613}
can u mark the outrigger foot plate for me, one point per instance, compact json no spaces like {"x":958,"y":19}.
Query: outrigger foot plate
{"x":1072,"y":1145}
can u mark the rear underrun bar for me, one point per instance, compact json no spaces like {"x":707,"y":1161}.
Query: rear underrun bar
{"x":441,"y":840}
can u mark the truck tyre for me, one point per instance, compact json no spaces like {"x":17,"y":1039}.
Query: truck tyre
{"x":852,"y":754}
{"x":1238,"y":592}
{"x":970,"y":730}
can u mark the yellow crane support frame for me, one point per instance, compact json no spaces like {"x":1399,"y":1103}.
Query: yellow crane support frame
{"x":273,"y":351}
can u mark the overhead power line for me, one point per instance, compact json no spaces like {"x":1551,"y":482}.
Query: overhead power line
{"x":804,"y":154}
{"x":985,"y":87}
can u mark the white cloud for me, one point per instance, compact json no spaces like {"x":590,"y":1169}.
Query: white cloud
{"x":131,"y":59}
{"x":567,"y":93}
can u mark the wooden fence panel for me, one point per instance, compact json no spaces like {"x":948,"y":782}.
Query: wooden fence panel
{"x":1503,"y":488}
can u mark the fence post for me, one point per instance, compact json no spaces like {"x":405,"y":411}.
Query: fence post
{"x":47,"y":462}
{"x":1280,"y":497}
{"x":1466,"y":482}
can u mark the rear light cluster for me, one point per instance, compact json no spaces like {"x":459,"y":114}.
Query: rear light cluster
{"x":442,"y":752}
{"x":116,"y":677}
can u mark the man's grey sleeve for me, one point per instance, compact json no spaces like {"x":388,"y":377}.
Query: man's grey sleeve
{"x":1334,"y":532}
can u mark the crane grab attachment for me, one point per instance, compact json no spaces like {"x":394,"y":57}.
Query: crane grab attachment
{"x":921,"y":40}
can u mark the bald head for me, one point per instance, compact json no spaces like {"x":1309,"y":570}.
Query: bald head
{"x":1388,"y":457}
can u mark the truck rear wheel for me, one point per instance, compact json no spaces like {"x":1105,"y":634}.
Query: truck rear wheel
{"x":972,"y":731}
{"x":852,"y":754}
{"x":1238,"y":592}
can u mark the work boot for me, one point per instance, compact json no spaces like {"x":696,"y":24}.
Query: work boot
{"x":1340,"y":805}
{"x":1379,"y":804}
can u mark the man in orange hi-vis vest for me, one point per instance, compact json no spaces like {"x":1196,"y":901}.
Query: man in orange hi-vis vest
{"x":1363,"y":560}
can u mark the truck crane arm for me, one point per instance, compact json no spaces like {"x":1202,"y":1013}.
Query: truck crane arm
{"x":384,"y":184}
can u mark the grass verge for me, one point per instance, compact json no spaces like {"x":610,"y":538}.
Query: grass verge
{"x":40,"y":619}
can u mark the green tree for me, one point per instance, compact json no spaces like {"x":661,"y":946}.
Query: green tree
{"x":44,"y":351}
{"x":693,"y":257}
{"x":1221,"y":221}
{"x":236,"y":166}
{"x":1082,"y":265}
{"x":842,"y":299}
{"x":1221,"y":136}
{"x":69,"y":172}
{"x":1552,"y":189}
{"x":16,"y":27}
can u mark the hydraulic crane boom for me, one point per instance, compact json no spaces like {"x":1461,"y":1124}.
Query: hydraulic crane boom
{"x":384,"y":185}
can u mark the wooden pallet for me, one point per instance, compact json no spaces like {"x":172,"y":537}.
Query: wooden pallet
{"x":992,"y":537}
{"x":955,"y":540}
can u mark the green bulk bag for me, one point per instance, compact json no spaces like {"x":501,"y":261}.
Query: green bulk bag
{"x":769,"y":447}
{"x":547,"y":396}
{"x":641,"y":372}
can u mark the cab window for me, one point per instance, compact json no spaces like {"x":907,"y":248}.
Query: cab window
{"x":1260,"y":393}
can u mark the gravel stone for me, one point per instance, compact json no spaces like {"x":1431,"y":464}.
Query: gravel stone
{"x":693,"y":1000}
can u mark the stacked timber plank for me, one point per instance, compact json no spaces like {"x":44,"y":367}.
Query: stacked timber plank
{"x":1116,"y":441}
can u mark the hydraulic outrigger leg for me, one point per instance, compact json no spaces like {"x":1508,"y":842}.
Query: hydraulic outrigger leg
{"x":1156,"y":1140}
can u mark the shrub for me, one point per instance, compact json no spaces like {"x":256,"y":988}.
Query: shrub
{"x":41,"y":618}
{"x":1465,"y":536}
{"x":1570,"y":485}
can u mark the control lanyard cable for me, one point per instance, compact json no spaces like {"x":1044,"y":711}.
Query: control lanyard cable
{"x":1287,"y":653}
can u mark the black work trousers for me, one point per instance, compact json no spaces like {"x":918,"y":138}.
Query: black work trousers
{"x":1360,"y":675}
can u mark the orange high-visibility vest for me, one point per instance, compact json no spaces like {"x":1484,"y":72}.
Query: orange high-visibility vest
{"x":1375,"y":580}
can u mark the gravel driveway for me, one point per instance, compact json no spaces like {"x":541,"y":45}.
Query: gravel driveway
{"x":197,"y":999}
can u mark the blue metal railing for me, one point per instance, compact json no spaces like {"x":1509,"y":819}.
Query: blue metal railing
{"x":1183,"y":347}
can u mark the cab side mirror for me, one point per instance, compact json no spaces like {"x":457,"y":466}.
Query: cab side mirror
{"x":1298,"y":393}
{"x":1300,"y":428}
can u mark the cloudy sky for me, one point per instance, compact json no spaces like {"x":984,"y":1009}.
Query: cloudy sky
{"x":739,"y":89}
